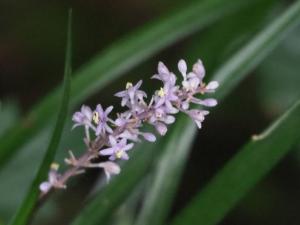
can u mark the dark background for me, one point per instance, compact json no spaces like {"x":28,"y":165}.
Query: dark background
{"x":32,"y":43}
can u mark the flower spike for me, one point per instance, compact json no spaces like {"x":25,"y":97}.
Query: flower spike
{"x":113,"y":138}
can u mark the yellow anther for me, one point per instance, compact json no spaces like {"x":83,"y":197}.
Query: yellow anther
{"x":54,"y":166}
{"x":128,"y":85}
{"x":161,"y":92}
{"x":119,"y":154}
{"x":96,"y":117}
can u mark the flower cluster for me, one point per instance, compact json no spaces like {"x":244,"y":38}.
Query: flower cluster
{"x":113,"y":138}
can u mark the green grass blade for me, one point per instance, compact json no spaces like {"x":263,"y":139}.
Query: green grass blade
{"x":116,"y":60}
{"x":243,"y":171}
{"x":157,"y":202}
{"x":24,"y":213}
{"x":167,"y":173}
{"x":265,"y":42}
{"x":95,"y":208}
{"x":110,"y":197}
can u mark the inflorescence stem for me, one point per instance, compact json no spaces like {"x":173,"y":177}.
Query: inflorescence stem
{"x":113,"y":138}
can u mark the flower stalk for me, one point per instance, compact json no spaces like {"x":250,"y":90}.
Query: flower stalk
{"x":111,"y":139}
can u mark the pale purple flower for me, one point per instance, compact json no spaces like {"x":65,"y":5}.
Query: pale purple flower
{"x":164,"y":74}
{"x":118,"y":149}
{"x":197,"y":116}
{"x":192,"y":80}
{"x":130,"y":134}
{"x":132,"y":97}
{"x":110,"y":168}
{"x":199,"y":70}
{"x":134,"y":133}
{"x":101,"y":118}
{"x":165,"y":96}
{"x":161,"y":128}
{"x":211,"y":86}
{"x":182,"y":67}
{"x":209,"y":102}
{"x":160,"y":114}
{"x":122,"y":119}
{"x":148,"y":136}
{"x":83,"y":117}
{"x":52,"y":179}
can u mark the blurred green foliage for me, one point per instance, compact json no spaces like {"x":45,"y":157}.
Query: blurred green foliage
{"x":31,"y":63}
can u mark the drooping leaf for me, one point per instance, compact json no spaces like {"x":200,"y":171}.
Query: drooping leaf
{"x":243,"y":171}
{"x":166,"y":174}
{"x":27,"y":207}
{"x":161,"y":191}
{"x":278,"y":80}
{"x":262,"y":44}
{"x":110,"y":197}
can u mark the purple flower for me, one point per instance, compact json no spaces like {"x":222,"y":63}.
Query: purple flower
{"x":164,"y":74}
{"x":191,"y":81}
{"x":209,"y":102}
{"x":212,"y":86}
{"x":83,"y":117}
{"x":123,"y":119}
{"x":100,"y":118}
{"x":197,"y":116}
{"x":199,"y":70}
{"x":110,"y":168}
{"x":165,"y":96}
{"x":118,"y":149}
{"x":161,"y":128}
{"x":148,"y":136}
{"x":130,"y":134}
{"x":134,"y":133}
{"x":160,"y":114}
{"x":132,"y":97}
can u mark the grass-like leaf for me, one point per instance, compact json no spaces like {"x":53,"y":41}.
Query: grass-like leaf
{"x":158,"y":201}
{"x":110,"y":197}
{"x":116,"y":60}
{"x":254,"y":52}
{"x":96,"y":209}
{"x":167,"y":173}
{"x":24,"y":213}
{"x":243,"y":171}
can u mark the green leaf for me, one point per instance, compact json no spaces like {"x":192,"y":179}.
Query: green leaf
{"x":115,"y":61}
{"x":259,"y":48}
{"x":157,"y":202}
{"x":102,"y":206}
{"x":166,"y":173}
{"x":115,"y":192}
{"x":9,"y":114}
{"x":25,"y":211}
{"x":276,"y":94}
{"x":259,"y":156}
{"x":243,"y":171}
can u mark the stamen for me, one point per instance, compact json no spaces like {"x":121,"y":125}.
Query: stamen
{"x":129,"y":85}
{"x":119,"y":154}
{"x":54,"y":166}
{"x":161,"y":92}
{"x":96,"y":117}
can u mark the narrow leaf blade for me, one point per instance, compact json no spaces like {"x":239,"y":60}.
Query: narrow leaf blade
{"x":204,"y":209}
{"x":25,"y":211}
{"x":236,"y":70}
{"x":242,"y":172}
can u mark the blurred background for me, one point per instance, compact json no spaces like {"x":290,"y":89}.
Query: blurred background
{"x":32,"y":46}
